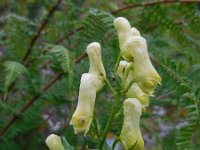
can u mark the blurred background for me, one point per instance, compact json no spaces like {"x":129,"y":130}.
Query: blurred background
{"x":39,"y":89}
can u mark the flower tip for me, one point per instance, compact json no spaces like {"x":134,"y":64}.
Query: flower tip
{"x":135,"y":41}
{"x":93,"y":46}
{"x":121,"y":23}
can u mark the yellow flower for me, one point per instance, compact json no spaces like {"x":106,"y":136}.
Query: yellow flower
{"x":125,"y":72}
{"x":124,"y":31}
{"x":54,"y":142}
{"x":94,"y":54}
{"x":91,"y":83}
{"x":134,"y":49}
{"x":144,"y":73}
{"x":131,"y":135}
{"x":82,"y":118}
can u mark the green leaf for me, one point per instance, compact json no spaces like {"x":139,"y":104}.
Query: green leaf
{"x":13,"y":70}
{"x":63,"y":57}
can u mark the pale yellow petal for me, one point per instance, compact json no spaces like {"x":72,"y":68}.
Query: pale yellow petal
{"x":144,"y":73}
{"x":83,"y":115}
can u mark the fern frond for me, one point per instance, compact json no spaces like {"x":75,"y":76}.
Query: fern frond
{"x":187,"y":124}
{"x":13,"y":70}
{"x":98,"y":24}
{"x":63,"y":57}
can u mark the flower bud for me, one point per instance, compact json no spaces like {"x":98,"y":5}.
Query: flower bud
{"x":123,"y":68}
{"x":131,"y":135}
{"x":82,"y":118}
{"x":54,"y":142}
{"x":94,"y":54}
{"x":144,"y":73}
{"x":125,"y":72}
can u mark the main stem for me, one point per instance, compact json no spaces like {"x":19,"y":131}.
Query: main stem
{"x":110,"y":119}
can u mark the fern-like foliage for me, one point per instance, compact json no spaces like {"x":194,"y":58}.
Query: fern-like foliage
{"x":63,"y":57}
{"x":173,"y":44}
{"x":98,"y":24}
{"x":13,"y":70}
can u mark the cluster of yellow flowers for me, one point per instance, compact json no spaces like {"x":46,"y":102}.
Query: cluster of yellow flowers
{"x":139,"y":79}
{"x":136,"y":68}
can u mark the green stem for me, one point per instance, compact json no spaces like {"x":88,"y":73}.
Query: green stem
{"x":115,"y":142}
{"x":110,"y":86}
{"x":109,"y":122}
{"x":128,"y":87}
{"x":115,"y":71}
{"x":117,"y":63}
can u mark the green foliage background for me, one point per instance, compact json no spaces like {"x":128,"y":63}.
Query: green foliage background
{"x":172,"y":31}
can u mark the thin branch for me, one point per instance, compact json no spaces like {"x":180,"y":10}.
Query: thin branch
{"x":147,"y":4}
{"x":110,"y":86}
{"x":33,"y":40}
{"x":39,"y":30}
{"x":69,"y":34}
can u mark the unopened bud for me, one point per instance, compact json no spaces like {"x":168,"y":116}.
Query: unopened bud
{"x":54,"y":142}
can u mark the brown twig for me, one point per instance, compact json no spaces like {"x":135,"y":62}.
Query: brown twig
{"x":154,"y":3}
{"x":61,"y":39}
{"x":33,"y":40}
{"x":39,"y":30}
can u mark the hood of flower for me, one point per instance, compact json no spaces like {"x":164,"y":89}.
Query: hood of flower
{"x":122,"y":24}
{"x":54,"y":142}
{"x":94,"y":54}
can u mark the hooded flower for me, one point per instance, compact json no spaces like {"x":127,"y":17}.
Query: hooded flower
{"x":90,"y":84}
{"x":144,"y":73}
{"x":125,"y":72}
{"x":134,"y":49}
{"x":82,"y":118}
{"x":130,"y":136}
{"x":54,"y":142}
